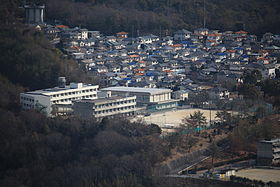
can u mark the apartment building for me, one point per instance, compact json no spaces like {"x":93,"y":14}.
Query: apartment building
{"x":105,"y":107}
{"x":268,"y":152}
{"x":46,"y":100}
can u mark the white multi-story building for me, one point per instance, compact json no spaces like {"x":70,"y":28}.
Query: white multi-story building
{"x":105,"y":107}
{"x":144,"y":95}
{"x":154,"y":98}
{"x":83,"y":34}
{"x":34,"y":14}
{"x":45,"y":100}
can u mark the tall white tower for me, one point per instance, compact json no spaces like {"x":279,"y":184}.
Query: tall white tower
{"x":34,"y":14}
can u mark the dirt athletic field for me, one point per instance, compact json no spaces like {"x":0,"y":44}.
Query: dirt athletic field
{"x":175,"y":117}
{"x":265,"y":175}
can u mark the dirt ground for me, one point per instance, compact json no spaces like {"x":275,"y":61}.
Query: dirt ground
{"x":175,"y":117}
{"x":265,"y":175}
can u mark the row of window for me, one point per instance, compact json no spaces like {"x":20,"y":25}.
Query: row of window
{"x":27,"y":99}
{"x":122,"y":114}
{"x":74,"y":99}
{"x":115,"y":110}
{"x":27,"y":105}
{"x":115,"y":103}
{"x":165,"y":106}
{"x":276,"y":156}
{"x":276,"y":144}
{"x":75,"y":93}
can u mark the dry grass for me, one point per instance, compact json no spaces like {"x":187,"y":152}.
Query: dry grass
{"x":202,"y":143}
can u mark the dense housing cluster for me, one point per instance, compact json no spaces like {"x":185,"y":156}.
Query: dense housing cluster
{"x":190,"y":63}
{"x":198,"y":68}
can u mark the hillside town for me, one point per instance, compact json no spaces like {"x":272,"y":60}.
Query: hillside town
{"x":198,"y":69}
{"x":158,"y":80}
{"x":182,"y":61}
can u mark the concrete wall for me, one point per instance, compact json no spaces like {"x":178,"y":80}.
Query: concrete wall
{"x":174,"y":166}
{"x":36,"y":102}
{"x":83,"y":110}
{"x":264,"y":150}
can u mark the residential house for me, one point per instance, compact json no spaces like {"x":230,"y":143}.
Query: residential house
{"x":122,"y":35}
{"x":181,"y":35}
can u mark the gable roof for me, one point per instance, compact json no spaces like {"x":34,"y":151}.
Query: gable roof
{"x":183,"y":31}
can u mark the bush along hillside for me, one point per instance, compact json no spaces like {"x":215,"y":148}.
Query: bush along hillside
{"x":37,"y":151}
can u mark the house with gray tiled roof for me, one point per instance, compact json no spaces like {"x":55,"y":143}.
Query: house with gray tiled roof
{"x":181,"y":35}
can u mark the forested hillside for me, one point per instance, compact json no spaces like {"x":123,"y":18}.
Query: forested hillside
{"x":155,"y":16}
{"x":38,"y":151}
{"x":27,"y":58}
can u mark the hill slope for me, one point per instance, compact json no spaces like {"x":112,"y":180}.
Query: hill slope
{"x":110,"y":16}
{"x":157,"y":16}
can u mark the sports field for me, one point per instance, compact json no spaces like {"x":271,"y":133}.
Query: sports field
{"x":264,"y":175}
{"x":175,"y":116}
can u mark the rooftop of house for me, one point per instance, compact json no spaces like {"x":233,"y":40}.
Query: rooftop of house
{"x":183,"y":31}
{"x":234,"y":48}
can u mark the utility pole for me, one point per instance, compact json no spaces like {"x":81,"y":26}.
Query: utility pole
{"x":168,"y":13}
{"x":204,"y":15}
{"x":160,"y":31}
{"x":244,"y":26}
{"x":132,"y":31}
{"x":210,"y":114}
{"x":138,"y":28}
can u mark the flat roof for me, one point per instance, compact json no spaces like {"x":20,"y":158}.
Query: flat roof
{"x":151,"y":91}
{"x":57,"y":89}
{"x":270,"y":141}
